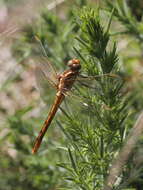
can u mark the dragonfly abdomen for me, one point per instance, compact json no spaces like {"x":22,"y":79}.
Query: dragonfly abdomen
{"x":48,"y":121}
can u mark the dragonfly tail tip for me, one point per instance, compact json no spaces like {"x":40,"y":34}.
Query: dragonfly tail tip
{"x":33,"y":151}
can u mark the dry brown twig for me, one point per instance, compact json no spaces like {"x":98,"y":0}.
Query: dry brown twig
{"x":122,"y":158}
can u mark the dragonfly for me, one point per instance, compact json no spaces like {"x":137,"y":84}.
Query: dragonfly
{"x":63,"y":84}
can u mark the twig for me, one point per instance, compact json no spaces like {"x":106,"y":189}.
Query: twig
{"x":55,"y":4}
{"x":123,"y":156}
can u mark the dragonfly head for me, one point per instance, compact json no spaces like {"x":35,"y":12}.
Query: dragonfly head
{"x":74,"y":64}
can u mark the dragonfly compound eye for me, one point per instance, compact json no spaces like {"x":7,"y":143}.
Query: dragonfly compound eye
{"x":76,"y":61}
{"x":74,"y":64}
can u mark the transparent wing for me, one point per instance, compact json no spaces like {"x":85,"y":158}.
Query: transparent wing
{"x":93,"y":81}
{"x":47,"y":68}
{"x":81,"y":99}
{"x":46,"y":86}
{"x":87,"y":87}
{"x":96,"y":77}
{"x":74,"y":104}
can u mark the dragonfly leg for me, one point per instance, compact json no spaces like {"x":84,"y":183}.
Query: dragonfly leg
{"x":59,"y":76}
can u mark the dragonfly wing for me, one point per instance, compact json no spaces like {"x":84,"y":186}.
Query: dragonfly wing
{"x":46,"y":86}
{"x":74,"y":104}
{"x":47,"y":68}
{"x":81,"y":99}
{"x":94,"y":81}
{"x":87,"y":88}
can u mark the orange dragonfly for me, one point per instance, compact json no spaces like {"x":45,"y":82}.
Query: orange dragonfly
{"x":63,"y":84}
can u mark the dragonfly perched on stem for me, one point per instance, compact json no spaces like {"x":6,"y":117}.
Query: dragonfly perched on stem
{"x":63,"y":84}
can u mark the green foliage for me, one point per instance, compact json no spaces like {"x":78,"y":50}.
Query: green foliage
{"x":99,"y":133}
{"x":126,"y":16}
{"x":95,"y":124}
{"x":129,"y":14}
{"x":19,"y":168}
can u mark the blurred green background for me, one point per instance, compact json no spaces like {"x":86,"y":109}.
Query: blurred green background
{"x":22,"y":111}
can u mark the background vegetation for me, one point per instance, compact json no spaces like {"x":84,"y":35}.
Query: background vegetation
{"x":91,"y":129}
